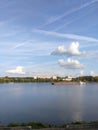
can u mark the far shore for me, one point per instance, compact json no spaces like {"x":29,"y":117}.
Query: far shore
{"x":7,"y":79}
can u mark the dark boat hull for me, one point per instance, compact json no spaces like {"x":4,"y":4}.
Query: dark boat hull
{"x":66,"y":83}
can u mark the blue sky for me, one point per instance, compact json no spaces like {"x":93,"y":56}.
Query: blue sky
{"x":48,"y":37}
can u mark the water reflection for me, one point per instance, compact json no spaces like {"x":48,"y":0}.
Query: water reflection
{"x":71,"y":103}
{"x":47,"y":103}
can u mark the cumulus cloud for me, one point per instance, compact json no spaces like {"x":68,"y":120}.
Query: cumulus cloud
{"x":70,"y":64}
{"x":59,"y":51}
{"x":17,"y":70}
{"x":92,"y":73}
{"x":72,"y":50}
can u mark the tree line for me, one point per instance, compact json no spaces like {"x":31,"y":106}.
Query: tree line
{"x":32,"y":79}
{"x":87,"y":78}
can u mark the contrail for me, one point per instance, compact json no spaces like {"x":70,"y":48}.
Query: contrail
{"x":70,"y":12}
{"x":69,"y":36}
{"x":22,"y":44}
{"x":73,"y":20}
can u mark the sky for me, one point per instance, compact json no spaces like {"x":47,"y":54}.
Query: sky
{"x":48,"y":37}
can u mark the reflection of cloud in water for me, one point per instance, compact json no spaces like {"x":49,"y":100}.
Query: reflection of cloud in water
{"x":71,"y":103}
{"x":77,"y":114}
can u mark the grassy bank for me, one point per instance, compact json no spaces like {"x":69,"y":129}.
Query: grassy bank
{"x":39,"y":125}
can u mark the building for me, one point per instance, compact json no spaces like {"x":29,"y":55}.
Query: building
{"x":68,"y":78}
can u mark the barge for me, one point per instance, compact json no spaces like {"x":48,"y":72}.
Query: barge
{"x":68,"y":83}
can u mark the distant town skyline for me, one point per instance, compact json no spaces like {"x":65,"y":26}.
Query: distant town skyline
{"x":48,"y":37}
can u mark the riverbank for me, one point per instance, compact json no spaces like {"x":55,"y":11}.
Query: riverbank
{"x":37,"y":125}
{"x":27,"y":128}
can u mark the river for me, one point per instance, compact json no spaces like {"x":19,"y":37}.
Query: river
{"x":25,"y":102}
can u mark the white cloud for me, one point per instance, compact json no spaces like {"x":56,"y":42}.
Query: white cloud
{"x":72,"y":50}
{"x":92,"y":73}
{"x":17,"y":70}
{"x":70,"y":64}
{"x":69,"y":36}
{"x":59,"y":51}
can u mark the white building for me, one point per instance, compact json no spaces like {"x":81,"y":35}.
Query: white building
{"x":54,"y":77}
{"x":68,"y":78}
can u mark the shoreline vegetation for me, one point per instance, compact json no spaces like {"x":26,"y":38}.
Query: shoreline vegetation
{"x":39,"y":125}
{"x":7,"y":79}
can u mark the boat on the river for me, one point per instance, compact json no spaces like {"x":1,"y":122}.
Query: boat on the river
{"x":68,"y":83}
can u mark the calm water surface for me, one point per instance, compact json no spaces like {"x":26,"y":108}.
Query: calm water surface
{"x":24,"y":102}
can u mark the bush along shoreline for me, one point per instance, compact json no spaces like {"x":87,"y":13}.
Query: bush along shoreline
{"x":39,"y":125}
